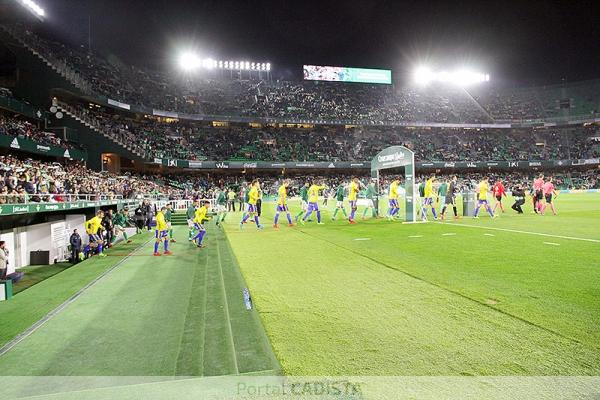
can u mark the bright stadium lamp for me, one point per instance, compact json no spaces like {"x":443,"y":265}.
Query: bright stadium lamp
{"x":461,"y":77}
{"x":423,"y":76}
{"x":33,"y":7}
{"x":189,"y":61}
{"x":268,"y":66}
{"x":208,"y":63}
{"x":466,"y":77}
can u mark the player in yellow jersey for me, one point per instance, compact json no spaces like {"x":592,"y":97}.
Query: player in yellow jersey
{"x":282,"y":204}
{"x":253,"y":196}
{"x":353,"y":190}
{"x":93,"y":227}
{"x":160,"y":233}
{"x":393,"y":196}
{"x":199,"y":219}
{"x":429,"y":193}
{"x":313,"y":202}
{"x":484,"y":188}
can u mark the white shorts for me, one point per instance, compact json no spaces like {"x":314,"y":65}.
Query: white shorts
{"x":220,"y":208}
{"x":340,"y":204}
{"x":304,"y":205}
{"x":169,"y":225}
{"x":190,"y":223}
{"x":369,"y":203}
{"x":119,"y":228}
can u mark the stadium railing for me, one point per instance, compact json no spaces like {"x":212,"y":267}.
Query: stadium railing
{"x":29,"y":198}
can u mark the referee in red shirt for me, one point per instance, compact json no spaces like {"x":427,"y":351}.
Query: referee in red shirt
{"x":499,"y":191}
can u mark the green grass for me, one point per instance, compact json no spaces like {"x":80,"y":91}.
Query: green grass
{"x":29,"y":306}
{"x":455,"y":300}
{"x":167,"y":316}
{"x":35,"y":274}
{"x":470,"y":297}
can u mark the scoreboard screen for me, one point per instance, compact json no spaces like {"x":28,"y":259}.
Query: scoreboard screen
{"x":347,"y":74}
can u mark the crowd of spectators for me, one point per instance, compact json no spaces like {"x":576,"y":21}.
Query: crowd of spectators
{"x":21,"y":128}
{"x":203,"y":141}
{"x":310,"y":100}
{"x":203,"y":186}
{"x":27,"y":180}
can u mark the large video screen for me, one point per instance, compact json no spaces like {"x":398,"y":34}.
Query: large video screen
{"x":346,"y":74}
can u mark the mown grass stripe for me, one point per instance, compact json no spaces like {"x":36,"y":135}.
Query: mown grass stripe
{"x":252,"y":346}
{"x":227,"y":317}
{"x":554,"y":332}
{"x":19,"y":338}
{"x":189,"y":360}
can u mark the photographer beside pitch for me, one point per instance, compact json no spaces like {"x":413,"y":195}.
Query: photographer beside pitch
{"x":519,"y":195}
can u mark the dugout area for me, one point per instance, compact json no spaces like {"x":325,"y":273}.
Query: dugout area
{"x":170,"y":316}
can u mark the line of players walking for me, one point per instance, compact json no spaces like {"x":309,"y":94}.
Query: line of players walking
{"x":542,"y":193}
{"x":430,"y":193}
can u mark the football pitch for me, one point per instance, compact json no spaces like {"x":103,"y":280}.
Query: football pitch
{"x":516,"y":295}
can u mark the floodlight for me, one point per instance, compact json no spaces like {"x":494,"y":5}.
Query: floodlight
{"x":423,"y":75}
{"x":207,"y":63}
{"x":465,"y":77}
{"x":461,"y":77}
{"x":36,"y":9}
{"x":189,"y":61}
{"x":268,"y":66}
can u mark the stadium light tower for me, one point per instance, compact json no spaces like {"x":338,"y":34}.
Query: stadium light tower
{"x":460,"y":77}
{"x":33,"y":7}
{"x":189,"y":61}
{"x":423,"y":75}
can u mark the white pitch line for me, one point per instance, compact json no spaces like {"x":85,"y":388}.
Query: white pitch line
{"x":552,"y":243}
{"x":415,"y":236}
{"x":529,"y":233}
{"x":488,"y":234}
{"x":362,"y":239}
{"x":448,"y":234}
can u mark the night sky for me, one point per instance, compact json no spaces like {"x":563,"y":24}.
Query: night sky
{"x":518,"y":43}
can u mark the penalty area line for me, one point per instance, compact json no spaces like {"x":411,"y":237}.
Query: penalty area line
{"x":529,"y":233}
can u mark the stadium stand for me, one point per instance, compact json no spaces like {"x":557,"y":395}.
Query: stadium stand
{"x":199,"y":141}
{"x":25,"y":180}
{"x":95,"y":75}
{"x":20,"y":127}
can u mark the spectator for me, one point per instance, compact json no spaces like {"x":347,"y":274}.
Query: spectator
{"x":3,"y":259}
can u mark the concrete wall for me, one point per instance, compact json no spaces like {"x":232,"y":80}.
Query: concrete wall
{"x":22,"y":240}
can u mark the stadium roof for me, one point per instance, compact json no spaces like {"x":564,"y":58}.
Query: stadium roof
{"x":523,"y":42}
